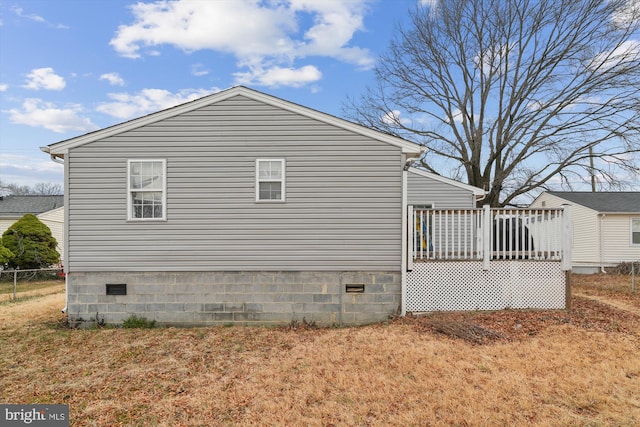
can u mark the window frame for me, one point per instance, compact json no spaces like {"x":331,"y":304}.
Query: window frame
{"x":131,"y":190}
{"x":633,"y":220}
{"x":282,"y":181}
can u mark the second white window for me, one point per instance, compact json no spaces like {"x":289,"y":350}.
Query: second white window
{"x":270,"y":180}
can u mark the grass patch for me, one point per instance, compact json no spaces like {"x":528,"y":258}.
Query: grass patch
{"x":500,"y":368}
{"x":19,"y":300}
{"x":617,"y":286}
{"x":6,"y":287}
{"x":135,"y":322}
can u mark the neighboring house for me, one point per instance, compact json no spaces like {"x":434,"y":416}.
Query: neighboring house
{"x":48,"y":209}
{"x":606,"y":226}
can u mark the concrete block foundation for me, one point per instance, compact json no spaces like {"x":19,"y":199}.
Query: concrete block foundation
{"x":226,"y":297}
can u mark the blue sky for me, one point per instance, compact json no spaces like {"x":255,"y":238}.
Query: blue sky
{"x":68,"y":67}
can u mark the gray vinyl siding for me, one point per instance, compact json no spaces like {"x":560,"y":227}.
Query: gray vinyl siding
{"x":422,"y":191}
{"x":342,"y":209}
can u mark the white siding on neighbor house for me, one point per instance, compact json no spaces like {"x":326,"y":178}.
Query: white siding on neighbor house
{"x":342,"y":209}
{"x":617,"y":239}
{"x":422,"y":190}
{"x":586,"y":229}
{"x":54,"y":219}
{"x":5,"y":224}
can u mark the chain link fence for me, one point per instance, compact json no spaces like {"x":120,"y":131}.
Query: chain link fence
{"x":14,"y":280}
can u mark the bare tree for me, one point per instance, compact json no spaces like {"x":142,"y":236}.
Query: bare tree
{"x":514,"y":95}
{"x":39,"y":189}
{"x":47,"y":189}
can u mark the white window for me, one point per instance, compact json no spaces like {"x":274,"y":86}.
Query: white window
{"x":635,"y":231}
{"x":146,"y":182}
{"x":270,"y":180}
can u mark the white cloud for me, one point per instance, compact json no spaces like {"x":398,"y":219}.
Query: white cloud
{"x":429,"y":3}
{"x":113,"y":79}
{"x":265,"y":37}
{"x":44,"y":78}
{"x":29,"y":170}
{"x":627,"y":14}
{"x":3,"y":87}
{"x":493,"y":59}
{"x":628,"y":51}
{"x":199,"y":70}
{"x":18,"y":11}
{"x":456,"y":114}
{"x":240,"y":27}
{"x":393,"y":118}
{"x":33,"y":17}
{"x":126,"y":106}
{"x":38,"y":113}
{"x":335,"y":22}
{"x":278,"y":76}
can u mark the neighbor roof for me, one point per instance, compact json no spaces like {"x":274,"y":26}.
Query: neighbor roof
{"x":59,"y":149}
{"x":618,"y":202}
{"x":17,"y":206}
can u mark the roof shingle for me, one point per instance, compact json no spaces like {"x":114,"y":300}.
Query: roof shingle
{"x":17,"y":206}
{"x":611,"y":202}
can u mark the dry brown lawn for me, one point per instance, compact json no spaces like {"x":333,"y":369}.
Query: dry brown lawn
{"x":508,"y":368}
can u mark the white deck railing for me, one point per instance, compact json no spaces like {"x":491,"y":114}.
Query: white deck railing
{"x":489,"y":234}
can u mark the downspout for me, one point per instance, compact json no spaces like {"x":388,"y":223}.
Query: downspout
{"x":479,"y":198}
{"x":60,"y":160}
{"x":403,"y":240}
{"x":602,"y":243}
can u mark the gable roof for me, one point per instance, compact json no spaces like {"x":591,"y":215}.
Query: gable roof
{"x":59,"y":149}
{"x":17,"y":206}
{"x":608,"y":202}
{"x":475,"y":190}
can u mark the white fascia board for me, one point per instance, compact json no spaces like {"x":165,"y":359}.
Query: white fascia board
{"x":62,"y":147}
{"x":475,"y":190}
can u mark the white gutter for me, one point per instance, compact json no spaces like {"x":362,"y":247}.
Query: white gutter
{"x":479,"y":197}
{"x":60,"y":160}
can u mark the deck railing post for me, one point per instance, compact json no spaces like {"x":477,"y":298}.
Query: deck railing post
{"x":411,"y":231}
{"x":486,"y":237}
{"x":567,"y":237}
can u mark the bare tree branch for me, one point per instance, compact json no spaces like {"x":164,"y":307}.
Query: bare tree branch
{"x":519,"y":95}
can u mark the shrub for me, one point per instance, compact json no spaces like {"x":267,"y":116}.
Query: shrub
{"x":5,"y":254}
{"x":134,"y":321}
{"x":31,"y":243}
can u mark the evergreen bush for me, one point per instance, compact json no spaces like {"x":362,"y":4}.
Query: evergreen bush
{"x":31,"y":243}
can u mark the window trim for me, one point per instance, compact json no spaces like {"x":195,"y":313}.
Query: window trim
{"x":282,"y":181}
{"x":131,"y":190}
{"x":631,"y":221}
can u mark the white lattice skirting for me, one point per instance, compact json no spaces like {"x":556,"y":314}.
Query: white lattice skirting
{"x":464,"y":285}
